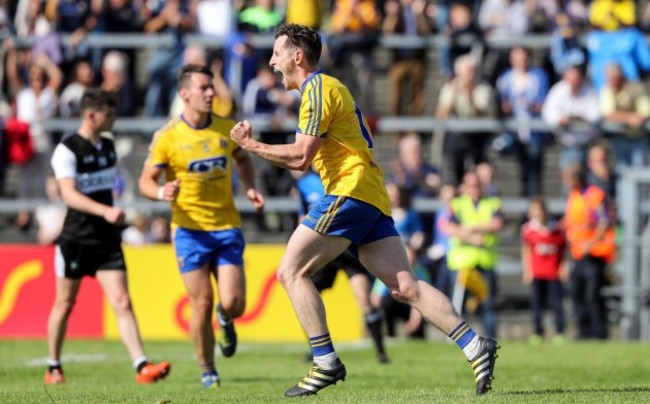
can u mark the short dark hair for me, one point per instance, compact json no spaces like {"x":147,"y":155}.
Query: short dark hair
{"x":305,"y":38}
{"x":188,"y":70}
{"x":96,"y":99}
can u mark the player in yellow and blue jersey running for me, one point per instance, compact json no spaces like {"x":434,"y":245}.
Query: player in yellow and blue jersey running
{"x":355,"y":210}
{"x":196,"y":155}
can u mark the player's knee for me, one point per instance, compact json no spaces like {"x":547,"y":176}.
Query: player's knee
{"x":202,"y":305}
{"x":122,"y":304}
{"x":65,"y":306}
{"x":234,"y":306}
{"x":285,"y":276}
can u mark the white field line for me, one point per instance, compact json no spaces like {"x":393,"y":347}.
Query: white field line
{"x":245,"y":347}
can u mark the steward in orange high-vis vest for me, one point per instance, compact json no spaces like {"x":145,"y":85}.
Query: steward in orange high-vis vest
{"x":587,"y":224}
{"x":592,"y":245}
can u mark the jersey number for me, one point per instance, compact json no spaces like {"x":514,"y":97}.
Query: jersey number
{"x":364,"y":130}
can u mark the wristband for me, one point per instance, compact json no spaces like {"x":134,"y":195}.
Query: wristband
{"x":161,"y":193}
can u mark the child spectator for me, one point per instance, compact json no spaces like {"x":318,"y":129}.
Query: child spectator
{"x":544,"y":268}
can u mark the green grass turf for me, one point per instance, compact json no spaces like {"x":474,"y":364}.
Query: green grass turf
{"x":419,"y":372}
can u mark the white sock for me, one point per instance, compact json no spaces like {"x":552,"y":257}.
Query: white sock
{"x":138,"y":361}
{"x":326,"y":362}
{"x":472,"y":349}
{"x":55,"y":363}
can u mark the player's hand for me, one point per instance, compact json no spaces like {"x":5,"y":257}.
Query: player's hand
{"x":114,"y":215}
{"x":241,"y":133}
{"x":170,"y":190}
{"x":256,"y":198}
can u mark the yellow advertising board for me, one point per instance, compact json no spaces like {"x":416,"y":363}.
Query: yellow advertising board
{"x":163,"y":310}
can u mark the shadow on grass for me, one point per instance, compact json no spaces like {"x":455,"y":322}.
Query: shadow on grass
{"x":561,"y":390}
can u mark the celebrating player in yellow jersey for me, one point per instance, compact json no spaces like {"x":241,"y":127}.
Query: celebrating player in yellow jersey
{"x":196,"y":155}
{"x":334,"y":135}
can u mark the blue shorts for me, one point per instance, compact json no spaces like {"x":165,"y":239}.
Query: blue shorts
{"x":358,"y":221}
{"x":195,"y":248}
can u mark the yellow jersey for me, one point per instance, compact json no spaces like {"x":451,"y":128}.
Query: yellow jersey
{"x":202,"y":159}
{"x":345,"y":160}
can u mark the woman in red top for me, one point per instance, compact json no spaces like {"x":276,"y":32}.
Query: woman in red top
{"x":544,"y":267}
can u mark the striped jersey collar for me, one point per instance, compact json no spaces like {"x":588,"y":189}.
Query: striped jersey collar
{"x":207,"y":125}
{"x":311,"y":76}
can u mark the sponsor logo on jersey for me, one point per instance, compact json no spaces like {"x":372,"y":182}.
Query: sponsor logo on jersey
{"x":208,"y":165}
{"x":102,"y":180}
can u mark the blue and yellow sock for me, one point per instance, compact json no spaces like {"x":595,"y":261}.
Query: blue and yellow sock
{"x":323,"y":351}
{"x":466,"y":339}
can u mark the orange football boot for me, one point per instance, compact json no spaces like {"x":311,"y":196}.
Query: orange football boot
{"x":55,"y":376}
{"x":152,"y":372}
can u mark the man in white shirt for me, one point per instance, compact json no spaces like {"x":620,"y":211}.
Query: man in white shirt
{"x":571,"y":109}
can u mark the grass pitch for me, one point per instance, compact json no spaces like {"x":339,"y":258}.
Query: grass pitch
{"x":419,"y":372}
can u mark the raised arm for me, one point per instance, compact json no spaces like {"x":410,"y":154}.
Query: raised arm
{"x":292,"y":156}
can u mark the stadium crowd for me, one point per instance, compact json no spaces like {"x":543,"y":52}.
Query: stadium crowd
{"x":587,"y":87}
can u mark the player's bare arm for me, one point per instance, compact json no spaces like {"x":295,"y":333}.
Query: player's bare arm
{"x":149,"y":187}
{"x":247,"y":174}
{"x":78,"y":201}
{"x":292,"y":156}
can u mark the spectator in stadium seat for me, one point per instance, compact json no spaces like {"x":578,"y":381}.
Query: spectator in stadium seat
{"x":612,"y":15}
{"x":571,"y":110}
{"x":207,"y":237}
{"x":522,"y":90}
{"x":465,"y":97}
{"x":77,"y":18}
{"x":566,"y":47}
{"x":174,"y":17}
{"x":410,"y":171}
{"x":30,"y":22}
{"x":502,"y":19}
{"x":464,"y":35}
{"x":83,"y":77}
{"x":592,"y":243}
{"x":89,"y":245}
{"x":355,"y":25}
{"x":263,"y":17}
{"x":117,"y":17}
{"x":628,"y":47}
{"x":35,"y":103}
{"x":115,"y":79}
{"x":356,"y":195}
{"x":599,"y":172}
{"x":407,"y":17}
{"x":474,"y":226}
{"x":626,"y":104}
{"x":216,"y":17}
